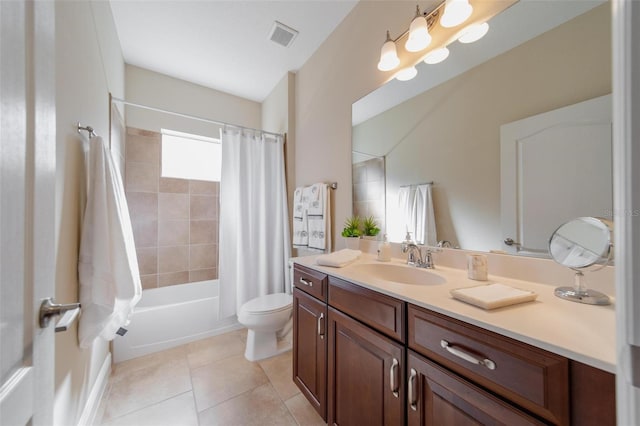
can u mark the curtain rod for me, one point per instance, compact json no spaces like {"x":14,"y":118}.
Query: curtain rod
{"x":416,"y":184}
{"x":193,"y":117}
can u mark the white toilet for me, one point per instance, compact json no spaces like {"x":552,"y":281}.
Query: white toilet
{"x":265,"y":317}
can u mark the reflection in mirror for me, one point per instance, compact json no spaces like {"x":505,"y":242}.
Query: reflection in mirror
{"x":445,"y":128}
{"x":581,"y":244}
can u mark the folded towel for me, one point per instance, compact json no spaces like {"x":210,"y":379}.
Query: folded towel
{"x":339,"y":258}
{"x":319,"y":221}
{"x":493,"y":296}
{"x":316,"y":198}
{"x":298,"y":207}
{"x":301,"y":230}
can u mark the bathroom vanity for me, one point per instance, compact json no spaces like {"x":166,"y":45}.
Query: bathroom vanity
{"x":368,"y":350}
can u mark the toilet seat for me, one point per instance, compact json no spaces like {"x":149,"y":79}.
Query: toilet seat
{"x":269,"y":304}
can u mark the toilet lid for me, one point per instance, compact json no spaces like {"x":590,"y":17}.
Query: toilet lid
{"x":268,"y":304}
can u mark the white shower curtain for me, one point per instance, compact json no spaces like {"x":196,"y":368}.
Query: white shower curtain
{"x":254,"y":223}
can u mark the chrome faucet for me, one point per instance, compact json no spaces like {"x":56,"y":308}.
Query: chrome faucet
{"x":412,"y":249}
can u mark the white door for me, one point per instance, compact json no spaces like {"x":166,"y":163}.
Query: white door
{"x":27,"y":190}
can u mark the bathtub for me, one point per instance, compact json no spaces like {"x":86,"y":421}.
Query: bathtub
{"x":171,"y":316}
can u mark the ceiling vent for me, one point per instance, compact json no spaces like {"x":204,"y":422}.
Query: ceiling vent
{"x":282,"y":35}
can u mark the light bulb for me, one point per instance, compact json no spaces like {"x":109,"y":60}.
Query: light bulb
{"x":455,"y":13}
{"x":473,"y":33}
{"x":436,"y":56}
{"x":419,"y":37}
{"x":388,"y":55}
{"x":406,"y":74}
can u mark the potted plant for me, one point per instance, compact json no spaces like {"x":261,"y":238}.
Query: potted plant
{"x":370,"y":228}
{"x":351,"y":232}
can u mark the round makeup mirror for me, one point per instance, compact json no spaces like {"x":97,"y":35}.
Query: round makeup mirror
{"x":585,"y":243}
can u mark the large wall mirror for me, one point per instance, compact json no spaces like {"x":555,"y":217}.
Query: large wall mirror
{"x":445,"y":127}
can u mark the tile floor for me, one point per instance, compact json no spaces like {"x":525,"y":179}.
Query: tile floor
{"x":208,"y":382}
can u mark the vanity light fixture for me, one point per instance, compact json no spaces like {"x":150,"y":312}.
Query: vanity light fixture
{"x":436,"y":56}
{"x":473,"y":33}
{"x":388,"y":55}
{"x":419,"y":37}
{"x":455,"y":13}
{"x":406,"y":74}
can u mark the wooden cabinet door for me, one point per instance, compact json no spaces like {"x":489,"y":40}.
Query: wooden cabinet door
{"x":310,"y":349}
{"x":366,"y":375}
{"x":437,"y":396}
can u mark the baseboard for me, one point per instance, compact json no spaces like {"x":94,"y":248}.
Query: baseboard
{"x":90,"y":410}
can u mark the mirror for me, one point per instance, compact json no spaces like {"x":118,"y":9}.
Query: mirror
{"x":445,"y":125}
{"x":582,"y":244}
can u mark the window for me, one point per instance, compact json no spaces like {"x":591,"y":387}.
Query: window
{"x":187,"y":156}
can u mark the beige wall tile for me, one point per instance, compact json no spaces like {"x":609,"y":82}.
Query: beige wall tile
{"x":196,"y":275}
{"x":173,"y":206}
{"x":204,"y":231}
{"x":204,"y":207}
{"x":142,"y":205}
{"x":141,"y":132}
{"x":204,"y":187}
{"x":173,"y":185}
{"x":143,"y":149}
{"x":173,"y":259}
{"x":141,"y":177}
{"x":145,"y":232}
{"x":173,"y":278}
{"x":203,"y":256}
{"x":149,"y":281}
{"x":173,"y":232}
{"x":147,"y":260}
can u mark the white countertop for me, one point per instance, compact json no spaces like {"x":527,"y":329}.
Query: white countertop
{"x":584,"y":333}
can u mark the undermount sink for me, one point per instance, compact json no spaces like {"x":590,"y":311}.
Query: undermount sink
{"x":398,"y":273}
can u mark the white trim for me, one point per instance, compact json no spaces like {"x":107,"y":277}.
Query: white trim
{"x":626,"y":185}
{"x":90,"y":410}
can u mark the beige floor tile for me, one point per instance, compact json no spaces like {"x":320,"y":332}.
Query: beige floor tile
{"x":214,"y":348}
{"x":279,"y":371}
{"x":224,"y":379}
{"x":261,"y":406}
{"x":123,"y":369}
{"x":303,"y":412}
{"x":242,"y":333}
{"x":177,"y":411}
{"x":141,"y":387}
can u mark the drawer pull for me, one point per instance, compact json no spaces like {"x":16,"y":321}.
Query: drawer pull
{"x":305,"y":282}
{"x":320,"y":332}
{"x":413,"y":390}
{"x":392,"y":377}
{"x":467,"y":357}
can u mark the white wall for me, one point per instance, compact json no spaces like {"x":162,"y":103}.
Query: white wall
{"x":89,"y":65}
{"x":161,"y":91}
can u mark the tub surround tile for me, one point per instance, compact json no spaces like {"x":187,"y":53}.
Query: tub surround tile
{"x":145,"y":232}
{"x":142,"y":205}
{"x":221,"y":380}
{"x":214,"y":348}
{"x":134,"y":131}
{"x":204,"y":207}
{"x":303,"y":412}
{"x":147,"y":260}
{"x":173,"y":278}
{"x":177,"y":411}
{"x":149,"y":281}
{"x":266,"y":409}
{"x":143,"y":149}
{"x":173,"y":206}
{"x":141,"y":177}
{"x":204,"y":232}
{"x":173,"y":233}
{"x":204,"y":187}
{"x":196,"y":275}
{"x":203,"y":256}
{"x":279,"y":371}
{"x":173,"y":259}
{"x":174,"y":185}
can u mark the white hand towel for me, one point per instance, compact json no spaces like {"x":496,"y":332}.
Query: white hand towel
{"x":319,"y":221}
{"x":493,"y":296}
{"x":108,"y":268}
{"x":425,"y":216}
{"x":316,"y":198}
{"x":405,"y":206}
{"x":339,"y":258}
{"x":298,"y":207}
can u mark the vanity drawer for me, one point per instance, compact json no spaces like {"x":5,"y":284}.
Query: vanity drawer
{"x":310,"y":281}
{"x":381,"y":312}
{"x":533,"y":378}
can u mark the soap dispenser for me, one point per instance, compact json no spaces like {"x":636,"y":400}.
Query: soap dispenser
{"x":384,"y":250}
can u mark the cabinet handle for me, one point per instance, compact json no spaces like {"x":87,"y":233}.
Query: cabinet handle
{"x":413,"y":394}
{"x":467,"y":357}
{"x":305,"y":282}
{"x":392,"y":377}
{"x":320,"y":332}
